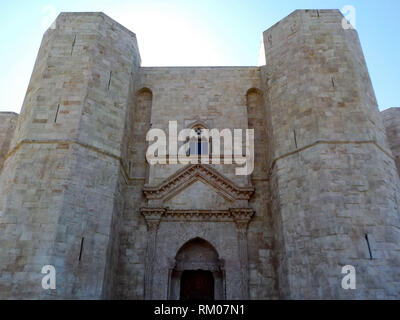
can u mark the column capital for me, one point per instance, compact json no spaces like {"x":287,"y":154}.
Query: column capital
{"x":153,"y":217}
{"x":242,"y":217}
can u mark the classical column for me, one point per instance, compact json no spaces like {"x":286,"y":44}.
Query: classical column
{"x":153,"y":218}
{"x":242,"y":218}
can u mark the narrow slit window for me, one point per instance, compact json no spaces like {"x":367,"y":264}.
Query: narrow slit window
{"x":369,"y":246}
{"x":81,"y":251}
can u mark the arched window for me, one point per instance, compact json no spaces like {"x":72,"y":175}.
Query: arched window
{"x":141,"y":117}
{"x":200,"y":145}
{"x":257,"y":121}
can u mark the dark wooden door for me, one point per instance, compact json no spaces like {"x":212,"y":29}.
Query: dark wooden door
{"x":197,"y":285}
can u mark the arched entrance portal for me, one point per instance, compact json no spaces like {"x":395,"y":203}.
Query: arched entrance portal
{"x":197,"y":273}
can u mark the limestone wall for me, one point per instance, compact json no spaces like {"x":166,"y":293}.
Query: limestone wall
{"x":391,"y":121}
{"x":325,"y":179}
{"x":263,"y":282}
{"x":60,"y":189}
{"x":8,"y":122}
{"x":257,"y":121}
{"x":132,"y":250}
{"x":214,"y":95}
{"x":333,"y":178}
{"x":220,"y":98}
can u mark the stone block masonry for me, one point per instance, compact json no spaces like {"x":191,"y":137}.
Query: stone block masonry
{"x":391,"y":120}
{"x":60,"y":182}
{"x":8,"y":122}
{"x":335,"y":181}
{"x":77,"y":193}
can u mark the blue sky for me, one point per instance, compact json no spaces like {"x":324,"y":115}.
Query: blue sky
{"x":195,"y":33}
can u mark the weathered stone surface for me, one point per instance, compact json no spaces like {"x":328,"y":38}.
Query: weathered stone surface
{"x":60,"y":187}
{"x":391,"y":121}
{"x":8,"y":121}
{"x":77,"y":192}
{"x":333,"y":178}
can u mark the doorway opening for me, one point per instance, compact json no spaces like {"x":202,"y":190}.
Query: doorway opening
{"x":197,"y":273}
{"x":197,"y":285}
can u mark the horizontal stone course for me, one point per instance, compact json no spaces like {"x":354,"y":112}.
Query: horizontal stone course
{"x":77,"y":192}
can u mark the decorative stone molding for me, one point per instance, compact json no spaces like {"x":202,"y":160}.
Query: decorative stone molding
{"x":154,"y":216}
{"x":198,"y":215}
{"x":198,"y":123}
{"x":188,"y":175}
{"x":242,"y":217}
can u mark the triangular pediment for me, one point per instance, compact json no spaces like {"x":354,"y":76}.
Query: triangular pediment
{"x":193,"y":173}
{"x":198,"y":195}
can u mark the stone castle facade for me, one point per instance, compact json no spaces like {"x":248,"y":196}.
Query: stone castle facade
{"x":77,"y":193}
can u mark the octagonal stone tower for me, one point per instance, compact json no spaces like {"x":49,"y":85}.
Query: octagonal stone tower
{"x":334,"y":185}
{"x":60,"y":195}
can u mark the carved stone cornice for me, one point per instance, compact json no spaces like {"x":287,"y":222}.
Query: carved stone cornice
{"x":154,"y":216}
{"x":191,"y":173}
{"x":198,"y":215}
